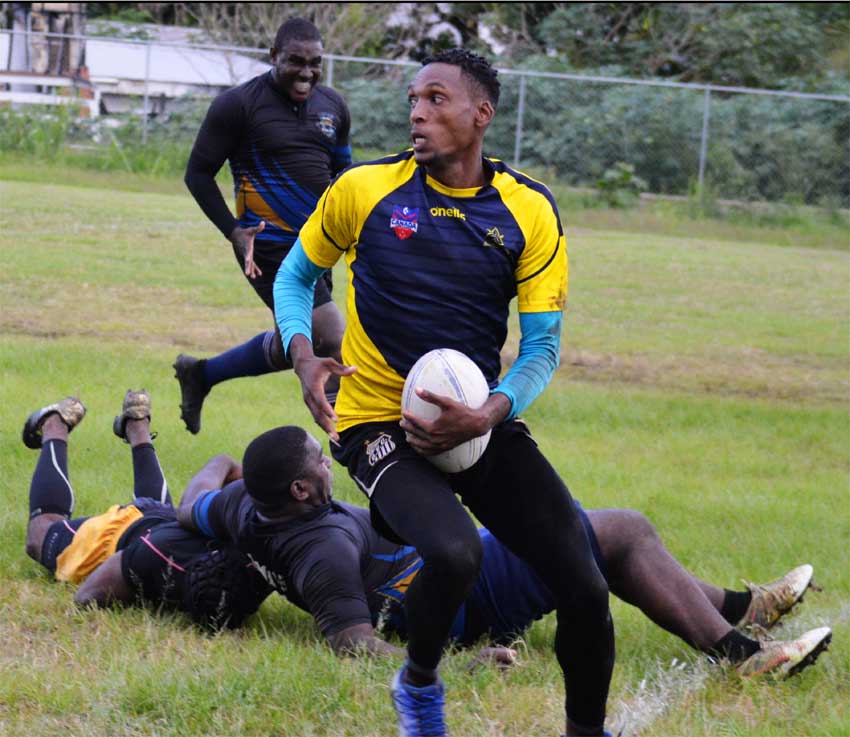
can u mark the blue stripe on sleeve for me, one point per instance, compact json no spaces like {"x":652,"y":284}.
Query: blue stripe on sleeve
{"x":293,"y":295}
{"x":539,"y":356}
{"x":201,"y":509}
{"x":342,"y":156}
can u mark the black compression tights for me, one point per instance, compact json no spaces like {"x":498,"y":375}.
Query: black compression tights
{"x":51,"y":491}
{"x":417,"y":503}
{"x":516,"y":493}
{"x":148,"y":478}
{"x":50,"y":488}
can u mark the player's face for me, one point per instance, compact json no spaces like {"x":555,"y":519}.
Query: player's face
{"x":317,"y":472}
{"x":445,"y":117}
{"x":297,"y":67}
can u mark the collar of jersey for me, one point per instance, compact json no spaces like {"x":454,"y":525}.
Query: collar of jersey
{"x":466,"y":191}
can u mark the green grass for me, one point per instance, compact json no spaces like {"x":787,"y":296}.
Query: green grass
{"x":704,"y":382}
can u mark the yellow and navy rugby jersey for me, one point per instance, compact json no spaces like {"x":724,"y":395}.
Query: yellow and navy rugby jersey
{"x":282,"y":154}
{"x":432,"y":267}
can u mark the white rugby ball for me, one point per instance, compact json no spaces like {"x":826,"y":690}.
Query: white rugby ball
{"x":449,"y":373}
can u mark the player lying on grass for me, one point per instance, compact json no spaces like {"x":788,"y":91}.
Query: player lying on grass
{"x":326,"y":558}
{"x":135,"y":552}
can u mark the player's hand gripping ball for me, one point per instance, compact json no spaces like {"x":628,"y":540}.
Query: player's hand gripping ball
{"x":449,"y":373}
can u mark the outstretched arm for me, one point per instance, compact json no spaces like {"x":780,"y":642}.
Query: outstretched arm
{"x":216,"y":472}
{"x":106,"y":585}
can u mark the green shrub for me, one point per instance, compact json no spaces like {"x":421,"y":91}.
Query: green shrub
{"x":619,"y":186}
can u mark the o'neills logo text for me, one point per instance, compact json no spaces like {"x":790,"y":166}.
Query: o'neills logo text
{"x":447,"y":212}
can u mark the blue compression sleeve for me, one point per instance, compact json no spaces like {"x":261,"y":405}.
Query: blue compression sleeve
{"x":293,"y":295}
{"x":200,"y":512}
{"x":539,"y":356}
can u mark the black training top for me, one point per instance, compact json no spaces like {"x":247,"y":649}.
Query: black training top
{"x":331,"y":562}
{"x":282,"y":155}
{"x":155,"y":563}
{"x":157,"y":554}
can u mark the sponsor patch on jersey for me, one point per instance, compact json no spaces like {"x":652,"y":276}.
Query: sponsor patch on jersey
{"x":404,"y":221}
{"x":327,"y":125}
{"x":379,"y":448}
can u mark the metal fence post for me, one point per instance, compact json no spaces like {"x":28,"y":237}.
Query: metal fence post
{"x":519,"y":114}
{"x":329,"y":77}
{"x":703,"y":144}
{"x":145,"y":104}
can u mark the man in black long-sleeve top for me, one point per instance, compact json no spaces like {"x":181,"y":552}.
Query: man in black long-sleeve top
{"x":285,"y":137}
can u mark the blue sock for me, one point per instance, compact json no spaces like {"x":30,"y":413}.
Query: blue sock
{"x":249,"y":359}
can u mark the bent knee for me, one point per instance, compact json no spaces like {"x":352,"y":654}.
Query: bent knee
{"x":37,"y":531}
{"x":459,"y":559}
{"x":641,"y":529}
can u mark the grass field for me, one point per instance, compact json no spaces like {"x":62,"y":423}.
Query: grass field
{"x":705,"y":381}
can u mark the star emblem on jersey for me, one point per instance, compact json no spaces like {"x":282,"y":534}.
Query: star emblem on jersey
{"x":404,"y":221}
{"x":494,"y":238}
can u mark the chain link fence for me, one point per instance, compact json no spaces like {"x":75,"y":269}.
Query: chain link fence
{"x":736,"y":143}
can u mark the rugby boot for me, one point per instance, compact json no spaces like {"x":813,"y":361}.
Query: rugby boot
{"x":189,"y":371}
{"x":420,"y":710}
{"x":70,"y":409}
{"x":137,"y":406}
{"x":782,"y":659}
{"x":773,"y":600}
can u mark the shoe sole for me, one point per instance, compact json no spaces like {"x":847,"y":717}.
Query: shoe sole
{"x":32,"y":432}
{"x":32,"y":435}
{"x":181,"y":373}
{"x":811,"y":657}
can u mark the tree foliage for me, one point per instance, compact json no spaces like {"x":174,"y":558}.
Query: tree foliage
{"x":347,"y":28}
{"x":755,"y":44}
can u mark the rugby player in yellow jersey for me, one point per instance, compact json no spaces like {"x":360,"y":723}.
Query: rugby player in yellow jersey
{"x":438,"y":241}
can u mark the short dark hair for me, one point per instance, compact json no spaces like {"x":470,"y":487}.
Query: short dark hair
{"x":272,"y":462}
{"x":296,"y":29}
{"x":221,"y":590}
{"x":480,"y":71}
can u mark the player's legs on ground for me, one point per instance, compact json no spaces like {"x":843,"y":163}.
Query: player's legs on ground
{"x":641,"y":571}
{"x":51,"y":497}
{"x":416,"y":503}
{"x":519,"y":497}
{"x":133,"y":426}
{"x":644,"y":573}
